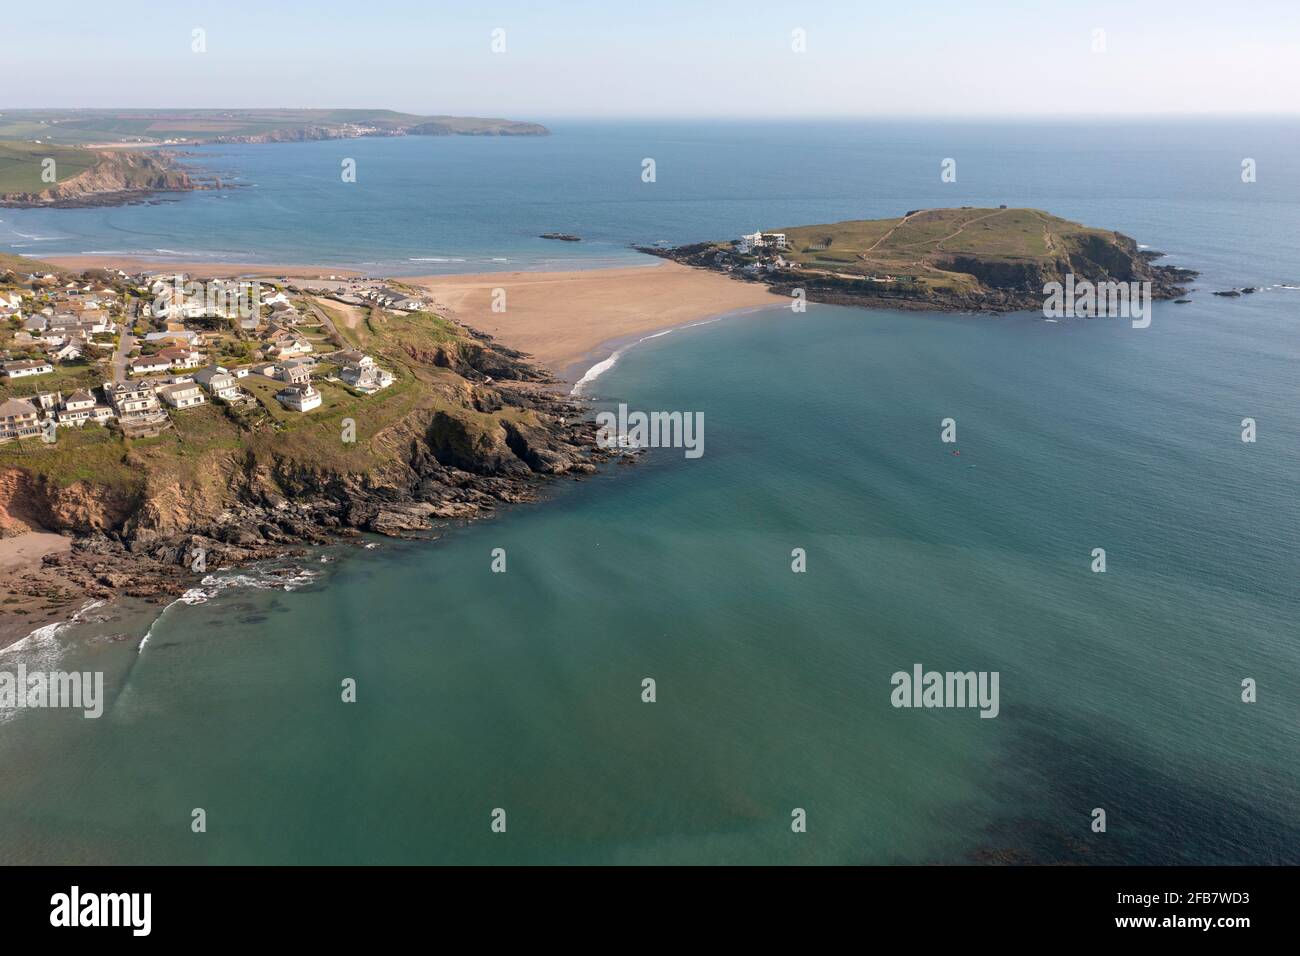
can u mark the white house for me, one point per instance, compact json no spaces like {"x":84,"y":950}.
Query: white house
{"x":77,"y":409}
{"x":295,"y":371}
{"x":69,"y":350}
{"x":149,"y":365}
{"x":18,"y":419}
{"x":760,"y":240}
{"x":220,"y":383}
{"x":364,"y":375}
{"x":183,"y":395}
{"x":180,"y":357}
{"x":298,"y":398}
{"x":27,"y":368}
{"x":132,"y":399}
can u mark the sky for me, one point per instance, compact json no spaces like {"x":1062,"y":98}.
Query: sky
{"x":664,"y":58}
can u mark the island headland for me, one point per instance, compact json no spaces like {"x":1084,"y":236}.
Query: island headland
{"x":952,"y":260}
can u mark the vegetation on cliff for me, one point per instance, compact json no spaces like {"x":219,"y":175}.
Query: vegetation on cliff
{"x":947,"y":259}
{"x":33,"y":174}
{"x":467,"y":427}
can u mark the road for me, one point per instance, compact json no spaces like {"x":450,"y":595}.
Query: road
{"x":126,"y":343}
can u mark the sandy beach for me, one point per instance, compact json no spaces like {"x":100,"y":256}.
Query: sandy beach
{"x":569,"y":321}
{"x":23,"y":611}
{"x":28,"y":549}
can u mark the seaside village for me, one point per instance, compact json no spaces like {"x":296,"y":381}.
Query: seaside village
{"x":129,"y":351}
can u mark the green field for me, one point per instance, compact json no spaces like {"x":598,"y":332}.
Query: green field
{"x":21,"y":165}
{"x":921,"y":243}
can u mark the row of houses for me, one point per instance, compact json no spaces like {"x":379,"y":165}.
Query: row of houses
{"x":29,"y":417}
{"x":391,"y":298}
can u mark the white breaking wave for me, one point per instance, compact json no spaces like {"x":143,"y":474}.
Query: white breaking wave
{"x":212,"y":585}
{"x":41,"y":650}
{"x":600,"y":368}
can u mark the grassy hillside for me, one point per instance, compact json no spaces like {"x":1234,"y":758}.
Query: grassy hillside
{"x":188,"y":453}
{"x":21,"y":165}
{"x":79,"y":127}
{"x":924,"y":243}
{"x":961,"y":260}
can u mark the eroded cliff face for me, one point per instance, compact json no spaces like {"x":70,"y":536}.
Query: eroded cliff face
{"x":433,"y":463}
{"x":32,"y":502}
{"x":115,"y":176}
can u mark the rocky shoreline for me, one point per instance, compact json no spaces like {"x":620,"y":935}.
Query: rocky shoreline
{"x":1001,"y":294}
{"x":159,"y":542}
{"x":117,"y":178}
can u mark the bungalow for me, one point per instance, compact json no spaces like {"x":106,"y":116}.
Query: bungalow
{"x":149,"y":365}
{"x":18,"y":419}
{"x":174,"y":337}
{"x":36,"y":323}
{"x":183,"y":395}
{"x":26,"y":369}
{"x":180,"y":357}
{"x":298,"y":398}
{"x":95,"y":322}
{"x":68,"y":351}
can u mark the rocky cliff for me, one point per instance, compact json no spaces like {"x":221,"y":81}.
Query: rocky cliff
{"x":115,"y":178}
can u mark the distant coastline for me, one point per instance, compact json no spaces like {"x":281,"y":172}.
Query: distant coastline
{"x":121,"y":157}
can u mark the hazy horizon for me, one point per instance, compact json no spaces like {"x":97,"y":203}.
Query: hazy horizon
{"x":1006,"y":59}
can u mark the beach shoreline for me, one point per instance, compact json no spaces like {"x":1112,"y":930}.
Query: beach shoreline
{"x":567,"y":321}
{"x":572,"y":323}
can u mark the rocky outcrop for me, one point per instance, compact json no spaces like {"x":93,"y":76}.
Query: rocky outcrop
{"x":32,"y":502}
{"x":1002,"y":283}
{"x":115,"y":178}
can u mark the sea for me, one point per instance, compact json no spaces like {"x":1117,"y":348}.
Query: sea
{"x":693,"y":660}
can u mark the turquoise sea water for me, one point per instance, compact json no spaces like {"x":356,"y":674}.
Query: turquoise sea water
{"x":522,"y":690}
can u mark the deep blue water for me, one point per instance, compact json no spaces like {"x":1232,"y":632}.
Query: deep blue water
{"x":522,"y":690}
